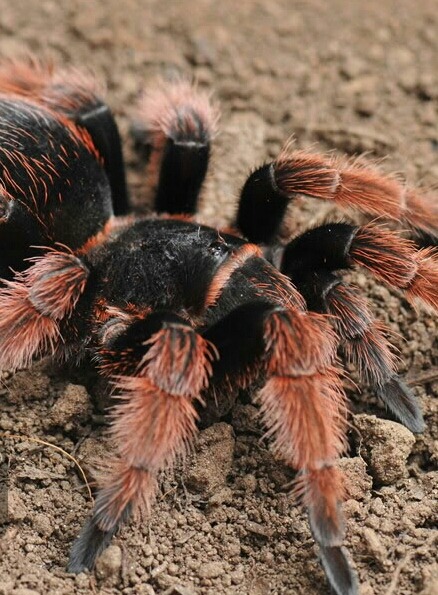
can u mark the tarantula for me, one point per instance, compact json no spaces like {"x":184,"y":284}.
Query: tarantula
{"x":172,"y":310}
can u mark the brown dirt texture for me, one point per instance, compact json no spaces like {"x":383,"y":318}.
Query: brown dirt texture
{"x":346,"y":76}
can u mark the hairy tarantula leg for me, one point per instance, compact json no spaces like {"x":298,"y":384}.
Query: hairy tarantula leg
{"x":303,"y":406}
{"x":269,"y":189}
{"x":78,"y":97}
{"x":160,"y":367}
{"x":34,"y":304}
{"x":391,"y":258}
{"x":178,"y":123}
{"x":363,"y":341}
{"x":305,"y":411}
{"x":101,"y":125}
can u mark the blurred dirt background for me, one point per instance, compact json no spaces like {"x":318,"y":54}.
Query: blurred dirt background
{"x":348,"y":76}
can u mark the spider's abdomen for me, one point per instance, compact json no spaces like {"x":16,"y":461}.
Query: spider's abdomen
{"x":53,"y":186}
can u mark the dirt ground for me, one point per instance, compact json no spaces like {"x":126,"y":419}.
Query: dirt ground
{"x":348,"y":76}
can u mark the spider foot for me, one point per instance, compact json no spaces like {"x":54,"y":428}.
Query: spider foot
{"x":91,"y":542}
{"x":338,"y":570}
{"x":402,"y":402}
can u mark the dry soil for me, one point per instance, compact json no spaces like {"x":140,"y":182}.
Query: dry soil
{"x":347,"y":76}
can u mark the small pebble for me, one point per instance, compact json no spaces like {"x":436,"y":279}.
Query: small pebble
{"x":211,"y":570}
{"x":375,"y":547}
{"x":358,"y":483}
{"x":73,"y":406}
{"x":212,"y":460}
{"x":386,"y":446}
{"x":16,"y":508}
{"x":109,"y":564}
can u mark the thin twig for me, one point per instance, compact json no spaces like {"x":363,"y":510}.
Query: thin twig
{"x":360,"y":133}
{"x":422,"y":377}
{"x":400,"y":566}
{"x":59,"y":449}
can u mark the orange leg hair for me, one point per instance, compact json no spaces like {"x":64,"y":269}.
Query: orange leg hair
{"x":34,"y":304}
{"x":398,"y":262}
{"x":351,"y":184}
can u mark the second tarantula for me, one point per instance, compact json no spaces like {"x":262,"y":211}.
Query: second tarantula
{"x":173,"y":311}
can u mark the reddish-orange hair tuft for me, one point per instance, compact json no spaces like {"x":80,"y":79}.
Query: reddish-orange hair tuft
{"x":398,"y":262}
{"x":424,"y":286}
{"x":155,"y":419}
{"x":354,"y":184}
{"x":34,"y":303}
{"x":65,"y":90}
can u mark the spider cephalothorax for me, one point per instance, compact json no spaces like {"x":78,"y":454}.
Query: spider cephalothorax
{"x":172,"y":310}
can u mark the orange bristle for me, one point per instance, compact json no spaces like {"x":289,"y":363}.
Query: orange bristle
{"x":354,"y":184}
{"x":24,"y":332}
{"x":298,"y":343}
{"x":34,"y":303}
{"x":123,"y":487}
{"x":424,"y":286}
{"x":386,"y":254}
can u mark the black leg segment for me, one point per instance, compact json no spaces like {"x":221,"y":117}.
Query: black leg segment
{"x":261,"y":206}
{"x":238,"y":338}
{"x":324,"y":248}
{"x":182,"y":173}
{"x":99,"y":122}
{"x":92,"y":542}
